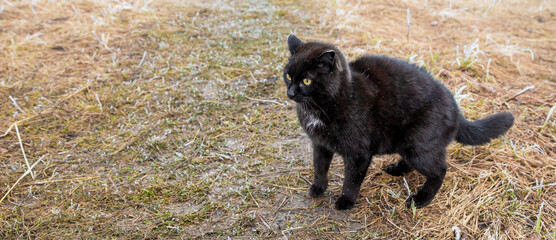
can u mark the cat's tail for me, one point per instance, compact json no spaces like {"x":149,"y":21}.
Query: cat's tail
{"x":481,"y":131}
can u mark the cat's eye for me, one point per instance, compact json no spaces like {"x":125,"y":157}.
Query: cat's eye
{"x":288,"y":77}
{"x":307,"y":81}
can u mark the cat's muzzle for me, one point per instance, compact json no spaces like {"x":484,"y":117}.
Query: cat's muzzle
{"x":293,"y":94}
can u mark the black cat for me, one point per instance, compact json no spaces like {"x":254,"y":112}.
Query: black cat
{"x":377,"y":105}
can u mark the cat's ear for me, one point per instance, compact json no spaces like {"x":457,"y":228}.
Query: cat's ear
{"x":328,"y":60}
{"x":293,"y":43}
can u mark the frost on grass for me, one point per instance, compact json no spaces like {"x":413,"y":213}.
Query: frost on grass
{"x":459,"y":95}
{"x":414,"y":58}
{"x":450,"y":12}
{"x":470,"y":52}
{"x":508,"y":49}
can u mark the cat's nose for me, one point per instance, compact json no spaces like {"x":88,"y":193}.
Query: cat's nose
{"x":292,"y":91}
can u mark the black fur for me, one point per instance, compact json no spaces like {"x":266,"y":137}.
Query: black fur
{"x":377,"y":105}
{"x":481,"y":131}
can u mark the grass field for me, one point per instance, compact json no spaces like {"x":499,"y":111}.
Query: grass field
{"x":169,"y":119}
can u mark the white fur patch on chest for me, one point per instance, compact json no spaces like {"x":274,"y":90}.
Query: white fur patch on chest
{"x":312,"y":122}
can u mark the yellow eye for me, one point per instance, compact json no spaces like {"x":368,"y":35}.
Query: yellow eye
{"x":306,"y":81}
{"x":288,"y":77}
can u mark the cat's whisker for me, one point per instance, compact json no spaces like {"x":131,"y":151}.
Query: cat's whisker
{"x":307,"y":106}
{"x":322,"y":110}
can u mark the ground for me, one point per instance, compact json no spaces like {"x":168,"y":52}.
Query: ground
{"x":169,"y":119}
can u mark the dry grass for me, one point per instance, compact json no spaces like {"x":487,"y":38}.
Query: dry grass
{"x":168,"y":119}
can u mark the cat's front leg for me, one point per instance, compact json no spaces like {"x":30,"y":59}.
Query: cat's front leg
{"x":321,"y":163}
{"x":355,"y":170}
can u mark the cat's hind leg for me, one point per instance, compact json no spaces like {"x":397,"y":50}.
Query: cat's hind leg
{"x":433,"y":166}
{"x":398,"y":169}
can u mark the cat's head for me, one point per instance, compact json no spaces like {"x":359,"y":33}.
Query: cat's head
{"x":315,"y":71}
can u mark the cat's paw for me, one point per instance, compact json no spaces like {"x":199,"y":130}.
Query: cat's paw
{"x":395,"y":170}
{"x":420,"y":200}
{"x":315,"y":191}
{"x":343,"y":203}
